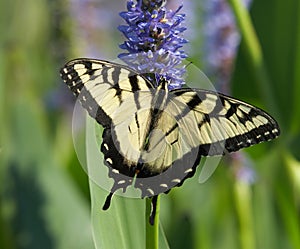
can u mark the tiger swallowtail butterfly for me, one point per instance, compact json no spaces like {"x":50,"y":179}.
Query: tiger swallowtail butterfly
{"x":154,"y":137}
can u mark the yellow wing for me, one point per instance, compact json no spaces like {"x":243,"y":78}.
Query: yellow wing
{"x":102,"y":86}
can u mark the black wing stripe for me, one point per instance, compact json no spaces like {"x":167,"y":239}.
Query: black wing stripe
{"x":134,"y":83}
{"x":116,"y":75}
{"x":196,"y":100}
{"x":174,"y":127}
{"x":133,"y":79}
{"x":231,"y":111}
{"x":88,"y":65}
{"x":93,"y":108}
{"x":104,"y":73}
{"x":138,"y":126}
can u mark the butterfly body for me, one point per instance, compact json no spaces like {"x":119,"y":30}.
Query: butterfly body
{"x":155,"y":135}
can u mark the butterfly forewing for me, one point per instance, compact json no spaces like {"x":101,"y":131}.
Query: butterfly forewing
{"x":102,"y":86}
{"x":226,"y":122}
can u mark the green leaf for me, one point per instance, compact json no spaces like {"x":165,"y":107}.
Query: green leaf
{"x":277,"y":27}
{"x":123,"y":224}
{"x":41,"y":203}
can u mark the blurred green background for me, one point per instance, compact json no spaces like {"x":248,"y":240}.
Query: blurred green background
{"x":44,"y":193}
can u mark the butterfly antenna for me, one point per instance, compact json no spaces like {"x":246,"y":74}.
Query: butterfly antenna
{"x":190,"y":62}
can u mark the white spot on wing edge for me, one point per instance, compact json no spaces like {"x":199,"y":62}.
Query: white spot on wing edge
{"x":249,"y":141}
{"x":150,"y":191}
{"x":105,"y":146}
{"x":163,"y":185}
{"x":188,"y":170}
{"x":115,"y":171}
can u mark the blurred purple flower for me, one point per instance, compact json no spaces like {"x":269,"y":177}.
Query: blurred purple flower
{"x":222,"y":41}
{"x":94,"y":25}
{"x":154,"y":40}
{"x":243,"y":168}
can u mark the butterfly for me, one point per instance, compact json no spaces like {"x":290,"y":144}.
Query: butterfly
{"x":153,"y":137}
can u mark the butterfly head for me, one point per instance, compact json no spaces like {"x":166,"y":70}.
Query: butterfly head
{"x":159,"y":81}
{"x":162,"y":83}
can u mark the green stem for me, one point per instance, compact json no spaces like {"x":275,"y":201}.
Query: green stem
{"x":152,"y":231}
{"x":254,"y":52}
{"x":244,"y":210}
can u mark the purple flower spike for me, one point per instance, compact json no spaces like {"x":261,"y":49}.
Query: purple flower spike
{"x":154,"y":40}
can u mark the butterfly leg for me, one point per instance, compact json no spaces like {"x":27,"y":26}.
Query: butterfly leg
{"x":153,"y":210}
